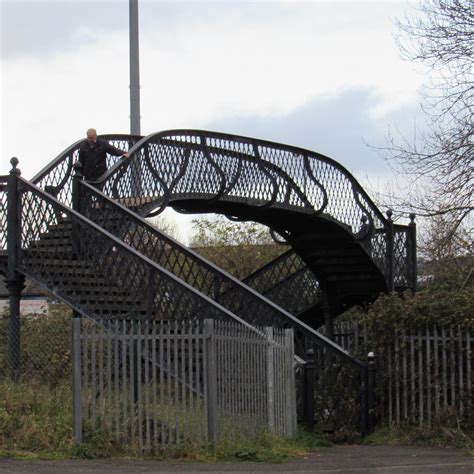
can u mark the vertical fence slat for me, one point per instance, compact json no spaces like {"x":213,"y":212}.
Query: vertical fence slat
{"x":154,"y":368}
{"x":390,"y":378}
{"x":469,"y":380}
{"x":116,"y":378}
{"x":452,"y":346}
{"x":124,"y":377}
{"x":428,"y":375}
{"x":445,"y":368}
{"x":437,"y":384}
{"x":93,"y":375}
{"x":101,"y":375}
{"x":412,"y":378}
{"x":109,"y":406}
{"x":397,"y":379}
{"x":404,"y":346}
{"x":146,"y":367}
{"x":162,"y":383}
{"x":460,"y":370}
{"x":420,"y":379}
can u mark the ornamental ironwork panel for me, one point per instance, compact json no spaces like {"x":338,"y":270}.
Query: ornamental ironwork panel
{"x":56,"y":177}
{"x":288,"y":282}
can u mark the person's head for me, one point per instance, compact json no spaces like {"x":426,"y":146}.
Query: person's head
{"x":91,"y":135}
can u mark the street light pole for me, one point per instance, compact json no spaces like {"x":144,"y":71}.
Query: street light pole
{"x":134,"y":69}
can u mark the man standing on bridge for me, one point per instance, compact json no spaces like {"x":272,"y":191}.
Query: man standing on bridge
{"x":93,"y":155}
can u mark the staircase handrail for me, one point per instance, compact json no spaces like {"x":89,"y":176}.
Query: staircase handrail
{"x":225,"y":277}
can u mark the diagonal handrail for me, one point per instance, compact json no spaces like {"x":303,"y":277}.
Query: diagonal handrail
{"x":37,"y":204}
{"x":237,"y":297}
{"x":56,"y":176}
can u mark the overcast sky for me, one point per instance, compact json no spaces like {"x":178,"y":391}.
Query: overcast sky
{"x":325,"y":75}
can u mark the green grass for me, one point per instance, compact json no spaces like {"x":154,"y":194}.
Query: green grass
{"x":36,"y":423}
{"x":427,"y":436}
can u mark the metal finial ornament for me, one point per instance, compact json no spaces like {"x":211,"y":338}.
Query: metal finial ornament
{"x":412,"y":217}
{"x":389,"y":213}
{"x":14,"y":162}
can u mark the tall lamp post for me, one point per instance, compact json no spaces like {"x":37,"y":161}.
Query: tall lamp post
{"x":134,"y":69}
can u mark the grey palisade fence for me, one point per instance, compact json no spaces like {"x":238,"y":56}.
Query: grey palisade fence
{"x":167,"y":383}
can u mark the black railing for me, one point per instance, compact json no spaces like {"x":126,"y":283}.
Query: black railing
{"x":201,"y":165}
{"x":208,"y":165}
{"x":56,"y":177}
{"x":288,"y":282}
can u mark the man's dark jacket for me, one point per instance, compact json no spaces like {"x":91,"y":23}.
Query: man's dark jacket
{"x":93,"y":158}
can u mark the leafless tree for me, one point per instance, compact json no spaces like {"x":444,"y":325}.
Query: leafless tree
{"x":439,"y":160}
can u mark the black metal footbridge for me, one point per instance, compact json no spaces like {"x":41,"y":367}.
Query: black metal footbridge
{"x":89,"y":245}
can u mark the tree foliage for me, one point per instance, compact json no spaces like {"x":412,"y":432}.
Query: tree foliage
{"x":439,"y":159}
{"x":239,"y":248}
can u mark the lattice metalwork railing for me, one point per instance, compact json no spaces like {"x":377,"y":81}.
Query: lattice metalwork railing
{"x":111,"y":270}
{"x":200,"y":165}
{"x":3,"y":213}
{"x":56,"y":177}
{"x":209,"y":165}
{"x":288,"y":282}
{"x":231,"y":294}
{"x":402,"y":243}
{"x":192,"y":268}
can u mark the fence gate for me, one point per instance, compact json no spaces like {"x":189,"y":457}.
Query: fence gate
{"x":160,"y":383}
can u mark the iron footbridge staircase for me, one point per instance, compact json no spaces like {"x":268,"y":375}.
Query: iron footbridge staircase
{"x":89,"y":245}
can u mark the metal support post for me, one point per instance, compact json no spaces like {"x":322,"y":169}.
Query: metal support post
{"x":211,"y":380}
{"x":270,"y":380}
{"x":76,"y":377}
{"x":390,"y":252}
{"x":14,"y":281}
{"x":310,"y":375}
{"x":134,"y":68}
{"x":413,"y":255}
{"x":371,"y":381}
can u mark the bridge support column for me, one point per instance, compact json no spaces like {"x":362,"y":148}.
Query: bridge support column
{"x":15,"y":281}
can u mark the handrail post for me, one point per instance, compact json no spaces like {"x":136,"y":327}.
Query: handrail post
{"x":390,"y":257}
{"x":309,"y":383}
{"x":76,"y":376}
{"x":412,"y":252}
{"x":15,"y":281}
{"x":76,"y":205}
{"x":211,"y":380}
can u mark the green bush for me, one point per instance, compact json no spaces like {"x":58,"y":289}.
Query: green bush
{"x":45,"y":346}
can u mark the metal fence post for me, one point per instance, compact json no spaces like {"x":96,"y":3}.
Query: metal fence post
{"x":270,"y":379}
{"x":309,"y":383}
{"x":291,"y":416}
{"x":390,"y":252}
{"x":15,"y":281}
{"x":412,"y":254}
{"x":76,"y":377}
{"x":211,"y":380}
{"x":370,"y":391}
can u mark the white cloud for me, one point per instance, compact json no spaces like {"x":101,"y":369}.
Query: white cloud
{"x":220,"y":62}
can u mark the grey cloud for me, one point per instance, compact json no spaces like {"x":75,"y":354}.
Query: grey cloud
{"x":337,"y":127}
{"x":39,"y":28}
